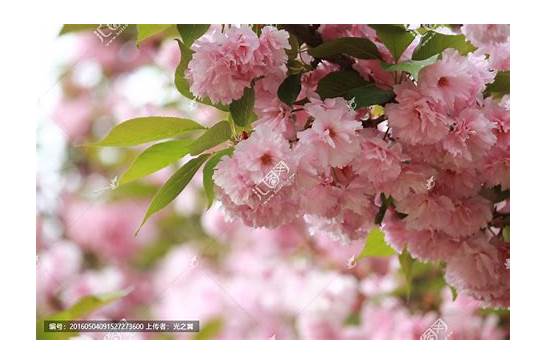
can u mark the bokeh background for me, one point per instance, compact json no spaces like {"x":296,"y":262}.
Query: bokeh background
{"x":189,"y":262}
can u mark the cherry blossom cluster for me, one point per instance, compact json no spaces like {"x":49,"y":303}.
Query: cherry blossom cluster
{"x":425,"y":161}
{"x":225,"y":63}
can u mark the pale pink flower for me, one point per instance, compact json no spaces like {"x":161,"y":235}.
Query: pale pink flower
{"x":478,"y":270}
{"x":471,"y":137}
{"x":186,"y":286}
{"x":426,"y":245}
{"x":414,"y":178}
{"x":342,"y":255}
{"x":55,"y":267}
{"x":223,"y":64}
{"x":168,"y":56}
{"x":256,"y":183}
{"x":320,"y":195}
{"x":281,"y":208}
{"x":216,"y":224}
{"x":271,"y":111}
{"x":117,"y":57}
{"x":75,"y":116}
{"x":468,"y":216}
{"x":350,"y":223}
{"x":379,"y":160}
{"x":252,"y":160}
{"x":323,"y":317}
{"x":108,"y":229}
{"x":463,"y":321}
{"x":499,"y":56}
{"x":495,"y":168}
{"x":458,"y":184}
{"x":371,"y":70}
{"x":389,"y":320}
{"x":271,"y":52}
{"x":426,"y":211}
{"x":455,"y":80}
{"x":486,"y":34}
{"x":416,"y":119}
{"x":333,"y":137}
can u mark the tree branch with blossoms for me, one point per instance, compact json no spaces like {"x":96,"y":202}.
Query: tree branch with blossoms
{"x":351,"y":129}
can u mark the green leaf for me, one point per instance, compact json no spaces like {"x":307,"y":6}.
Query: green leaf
{"x":357,"y":47}
{"x":338,"y":83}
{"x":406,"y":265}
{"x":501,"y":85}
{"x":208,"y":172}
{"x":395,"y":37}
{"x":180,"y":81}
{"x":289,"y":89}
{"x":242,"y":110}
{"x":155,"y":158}
{"x":375,"y":245}
{"x":191,"y":32}
{"x":182,"y":84}
{"x":217,"y":134}
{"x":293,"y":52}
{"x":350,"y":85}
{"x":369,"y":95}
{"x":210,"y":330}
{"x":85,"y":306}
{"x":145,"y":31}
{"x":147,"y":129}
{"x":434,"y":43}
{"x":174,"y":185}
{"x":412,"y":67}
{"x":73,"y":28}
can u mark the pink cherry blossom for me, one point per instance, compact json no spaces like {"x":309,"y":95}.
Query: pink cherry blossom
{"x":455,"y":80}
{"x":478,"y":270}
{"x":108,"y":229}
{"x":380,"y":161}
{"x":332,"y":137}
{"x":223,"y":64}
{"x":416,"y":119}
{"x":486,"y":34}
{"x":426,"y":244}
{"x":371,"y":70}
{"x":271,"y":52}
{"x":471,"y":137}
